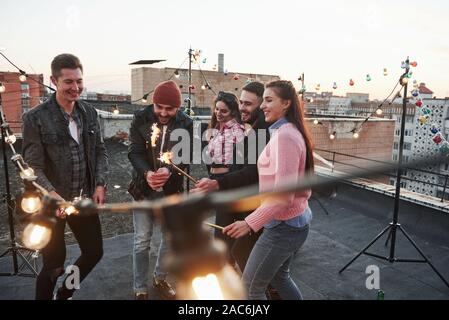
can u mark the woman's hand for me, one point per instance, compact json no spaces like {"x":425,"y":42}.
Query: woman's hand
{"x":237,"y":229}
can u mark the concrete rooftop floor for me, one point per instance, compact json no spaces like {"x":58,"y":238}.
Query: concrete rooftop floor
{"x":354,"y":218}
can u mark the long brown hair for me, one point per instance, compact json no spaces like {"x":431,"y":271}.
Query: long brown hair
{"x":231,"y":101}
{"x":295,"y":115}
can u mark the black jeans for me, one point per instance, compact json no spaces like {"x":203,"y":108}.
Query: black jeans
{"x":87,"y":231}
{"x":224,"y":218}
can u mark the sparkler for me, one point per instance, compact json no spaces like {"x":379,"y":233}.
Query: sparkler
{"x":166,"y":158}
{"x":155,"y":131}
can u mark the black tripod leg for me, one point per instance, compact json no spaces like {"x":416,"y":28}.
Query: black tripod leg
{"x":388,"y":238}
{"x":364,"y":249}
{"x":423,"y":255}
{"x":6,"y":252}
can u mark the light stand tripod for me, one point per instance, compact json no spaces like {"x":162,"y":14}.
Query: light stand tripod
{"x":394,"y":225}
{"x":15,"y":249}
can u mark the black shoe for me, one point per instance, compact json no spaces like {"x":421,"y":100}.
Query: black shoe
{"x":164,"y":289}
{"x":141,"y":296}
{"x":62,"y":294}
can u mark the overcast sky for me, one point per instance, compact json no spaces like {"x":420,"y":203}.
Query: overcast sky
{"x":327,"y":40}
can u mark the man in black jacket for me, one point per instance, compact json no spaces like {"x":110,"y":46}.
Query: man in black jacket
{"x":257,"y":138}
{"x":152,"y":180}
{"x":62,"y":142}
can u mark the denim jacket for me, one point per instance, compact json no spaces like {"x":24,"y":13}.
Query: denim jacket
{"x":46,"y":149}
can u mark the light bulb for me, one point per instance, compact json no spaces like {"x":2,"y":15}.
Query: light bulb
{"x":22,"y":78}
{"x":368,"y":77}
{"x":31,"y":203}
{"x":351,"y":82}
{"x":404,"y":81}
{"x":2,"y":88}
{"x":318,"y":87}
{"x":144,"y":100}
{"x":332,"y":136}
{"x":11,"y":139}
{"x":222,"y":285}
{"x":355,"y":135}
{"x":379,"y":111}
{"x":414,"y":64}
{"x":315,"y":122}
{"x":28,"y":172}
{"x":334,"y":86}
{"x":36,"y":237}
{"x":116,"y":111}
{"x":385,"y":72}
{"x":203,"y":87}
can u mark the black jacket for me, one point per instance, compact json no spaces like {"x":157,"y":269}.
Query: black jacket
{"x":249,"y":174}
{"x":140,"y":151}
{"x":46,"y":146}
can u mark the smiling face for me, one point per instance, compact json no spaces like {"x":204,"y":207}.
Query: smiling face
{"x":273,"y":107}
{"x":248,"y":106}
{"x":222,"y":112}
{"x":164,"y":112}
{"x":69,"y":85}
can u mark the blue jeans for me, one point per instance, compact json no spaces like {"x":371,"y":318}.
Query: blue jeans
{"x":269,"y":262}
{"x":143,"y":231}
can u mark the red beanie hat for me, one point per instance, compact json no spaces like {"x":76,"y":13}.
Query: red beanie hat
{"x":167,"y":92}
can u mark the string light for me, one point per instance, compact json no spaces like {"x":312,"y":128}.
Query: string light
{"x":177,"y":74}
{"x":355,"y":135}
{"x":351,"y":82}
{"x":115,"y":110}
{"x":332,"y":135}
{"x":385,"y":72}
{"x":368,"y":77}
{"x":315,"y":122}
{"x":379,"y":111}
{"x":334,"y":86}
{"x":404,"y":80}
{"x":22,"y":78}
{"x":2,"y":88}
{"x":11,"y":139}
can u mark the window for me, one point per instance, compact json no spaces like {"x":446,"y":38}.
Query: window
{"x":397,"y":132}
{"x":395,"y":157}
{"x":407,"y":146}
{"x":408,"y":132}
{"x":395,"y":146}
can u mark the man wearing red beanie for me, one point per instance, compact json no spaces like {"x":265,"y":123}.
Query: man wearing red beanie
{"x":152,"y":181}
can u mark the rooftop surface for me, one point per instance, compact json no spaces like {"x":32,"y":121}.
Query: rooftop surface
{"x":348,"y":223}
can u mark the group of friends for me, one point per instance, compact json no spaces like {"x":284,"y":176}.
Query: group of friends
{"x":62,"y":142}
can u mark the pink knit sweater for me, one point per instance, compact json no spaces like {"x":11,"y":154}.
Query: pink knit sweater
{"x":281,"y":162}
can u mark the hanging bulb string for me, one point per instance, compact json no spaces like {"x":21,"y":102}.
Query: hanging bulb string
{"x":359,"y":127}
{"x":204,"y":77}
{"x":26,"y":74}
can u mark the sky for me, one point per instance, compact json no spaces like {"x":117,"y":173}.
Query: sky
{"x":330,"y":41}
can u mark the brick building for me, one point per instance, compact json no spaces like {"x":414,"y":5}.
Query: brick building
{"x":143,"y":80}
{"x":20,"y":96}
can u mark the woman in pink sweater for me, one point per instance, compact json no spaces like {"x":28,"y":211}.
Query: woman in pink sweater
{"x":285,"y":219}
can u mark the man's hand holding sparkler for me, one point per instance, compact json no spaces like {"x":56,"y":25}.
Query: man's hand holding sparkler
{"x":157,"y":180}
